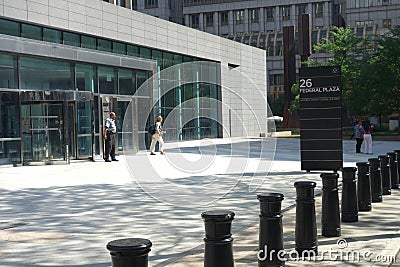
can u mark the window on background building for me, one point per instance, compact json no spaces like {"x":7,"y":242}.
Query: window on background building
{"x":132,"y":50}
{"x":134,"y":4}
{"x":31,"y":32}
{"x":9,"y":27}
{"x":145,"y":52}
{"x":8,"y":71}
{"x":195,"y":20}
{"x":224,"y":18}
{"x":319,"y":10}
{"x":386,"y":23}
{"x":45,"y":74}
{"x":239,"y":16}
{"x":50,"y":35}
{"x":150,"y":3}
{"x":302,"y":9}
{"x":209,"y":19}
{"x":85,"y":77}
{"x":254,"y":15}
{"x":337,"y":9}
{"x":270,"y":14}
{"x":286,"y":12}
{"x":121,"y":3}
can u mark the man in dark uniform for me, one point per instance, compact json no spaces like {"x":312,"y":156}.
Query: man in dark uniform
{"x":109,"y":136}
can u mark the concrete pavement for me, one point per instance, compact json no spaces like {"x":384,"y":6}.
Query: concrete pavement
{"x":64,"y":215}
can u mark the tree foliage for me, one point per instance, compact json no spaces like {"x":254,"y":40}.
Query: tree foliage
{"x":370,"y":71}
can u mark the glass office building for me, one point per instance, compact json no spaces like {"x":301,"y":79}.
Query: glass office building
{"x":52,"y":109}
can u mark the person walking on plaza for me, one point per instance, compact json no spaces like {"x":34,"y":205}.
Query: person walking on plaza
{"x":109,"y":136}
{"x":367,"y":139}
{"x":157,"y":137}
{"x":358,"y":133}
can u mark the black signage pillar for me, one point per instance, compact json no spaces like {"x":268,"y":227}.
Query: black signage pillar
{"x":321,"y":118}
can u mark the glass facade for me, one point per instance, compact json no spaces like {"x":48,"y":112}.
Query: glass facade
{"x":61,"y":112}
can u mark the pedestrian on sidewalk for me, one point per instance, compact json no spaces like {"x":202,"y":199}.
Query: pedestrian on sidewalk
{"x":157,"y":137}
{"x":358,"y":133}
{"x":367,"y":139}
{"x":109,"y":136}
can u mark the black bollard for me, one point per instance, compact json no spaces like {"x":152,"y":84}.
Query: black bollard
{"x":385,"y":174}
{"x":398,"y":163}
{"x":330,"y":218}
{"x":376,"y":180}
{"x":393,"y":170}
{"x":218,"y":241}
{"x":306,"y":224}
{"x":363,"y":187}
{"x":129,"y":252}
{"x":271,"y":231}
{"x":349,"y":195}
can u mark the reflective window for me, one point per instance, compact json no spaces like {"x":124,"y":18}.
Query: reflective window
{"x":50,"y":35}
{"x":31,"y":32}
{"x":88,"y":42}
{"x":286,"y":12}
{"x":126,"y":82}
{"x":45,"y":74}
{"x":107,"y":80}
{"x":141,"y":77}
{"x":71,"y":39}
{"x":85,"y":78}
{"x":103,"y":45}
{"x":145,"y":52}
{"x":9,"y":27}
{"x":132,"y":50}
{"x":270,"y":14}
{"x":319,"y":10}
{"x":119,"y":48}
{"x":239,"y":16}
{"x":8,"y":71}
{"x":224,"y":18}
{"x":254,"y":15}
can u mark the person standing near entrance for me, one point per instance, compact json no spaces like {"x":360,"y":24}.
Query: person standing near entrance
{"x":358,"y":133}
{"x":157,"y":137}
{"x":367,"y":139}
{"x":109,"y":136}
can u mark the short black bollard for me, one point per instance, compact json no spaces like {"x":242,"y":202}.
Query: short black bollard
{"x":393,"y":170}
{"x":376,"y":180}
{"x":129,"y":252}
{"x":271,"y":231}
{"x":363,"y":187}
{"x":306,"y":224}
{"x":349,"y":195}
{"x":218,"y":241}
{"x":385,"y":174}
{"x":330,"y":218}
{"x":398,"y":163}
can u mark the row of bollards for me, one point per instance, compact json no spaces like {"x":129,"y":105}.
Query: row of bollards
{"x":375,"y":178}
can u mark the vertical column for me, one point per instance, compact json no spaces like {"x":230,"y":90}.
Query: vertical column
{"x":187,"y":21}
{"x":230,"y":22}
{"x":278,"y":18}
{"x":216,"y":23}
{"x":261,"y":22}
{"x":246,"y":19}
{"x":376,"y":181}
{"x":327,"y":13}
{"x":293,"y":14}
{"x":393,"y":170}
{"x":398,"y":163}
{"x":201,"y":22}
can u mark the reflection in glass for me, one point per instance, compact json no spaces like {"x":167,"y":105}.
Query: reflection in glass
{"x":50,"y":35}
{"x":31,"y":32}
{"x":72,"y":39}
{"x":85,"y":77}
{"x":9,"y":27}
{"x":107,"y":80}
{"x":40,"y":74}
{"x":126,"y":82}
{"x":8,"y":71}
{"x":88,"y":42}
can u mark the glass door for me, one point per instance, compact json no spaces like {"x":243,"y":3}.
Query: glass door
{"x":43,"y":129}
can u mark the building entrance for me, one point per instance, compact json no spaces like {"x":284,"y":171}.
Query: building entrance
{"x":56,"y":126}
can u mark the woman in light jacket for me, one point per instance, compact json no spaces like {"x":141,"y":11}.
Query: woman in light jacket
{"x":367,"y":140}
{"x":157,"y":137}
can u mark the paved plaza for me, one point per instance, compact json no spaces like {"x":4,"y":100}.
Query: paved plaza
{"x":64,"y":215}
